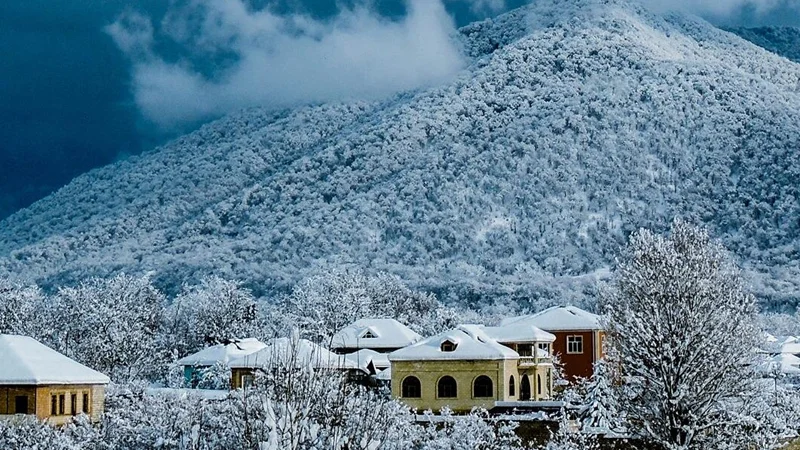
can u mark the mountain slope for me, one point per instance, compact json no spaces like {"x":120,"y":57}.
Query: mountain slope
{"x":784,"y":41}
{"x":576,"y":123}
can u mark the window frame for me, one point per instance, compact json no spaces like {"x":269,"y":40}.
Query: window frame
{"x":574,"y":339}
{"x":490,"y":386}
{"x":418,"y":386}
{"x":439,"y":387}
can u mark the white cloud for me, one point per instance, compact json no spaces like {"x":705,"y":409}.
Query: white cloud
{"x":484,"y":6}
{"x":281,"y":61}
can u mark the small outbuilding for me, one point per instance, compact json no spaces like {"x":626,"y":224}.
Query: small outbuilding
{"x":224,"y":353}
{"x":39,"y":381}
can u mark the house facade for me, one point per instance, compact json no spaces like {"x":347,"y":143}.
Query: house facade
{"x":579,"y":337}
{"x":36,"y":380}
{"x":466,"y":368}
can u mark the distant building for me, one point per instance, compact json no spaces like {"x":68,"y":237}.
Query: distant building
{"x":579,"y":336}
{"x":196,"y":363}
{"x":468,"y":367}
{"x":380,"y":335}
{"x":290,"y":352}
{"x":37,"y":380}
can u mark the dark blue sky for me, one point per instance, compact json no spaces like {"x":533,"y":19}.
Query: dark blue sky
{"x":66,"y":103}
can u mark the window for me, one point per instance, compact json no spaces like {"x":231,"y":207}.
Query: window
{"x":447,"y":387}
{"x":525,"y":350}
{"x":53,"y":405}
{"x":448,"y":346}
{"x":61,"y":405}
{"x":21,"y":404}
{"x":539,"y":383}
{"x":574,"y":344}
{"x":525,"y":388}
{"x":86,"y":403}
{"x":483,"y":387}
{"x":512,"y":387}
{"x":73,"y":404}
{"x":412,"y":387}
{"x":368,"y":335}
{"x":543,"y":346}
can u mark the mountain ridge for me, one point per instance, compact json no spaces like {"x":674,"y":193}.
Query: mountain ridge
{"x":520,"y":179}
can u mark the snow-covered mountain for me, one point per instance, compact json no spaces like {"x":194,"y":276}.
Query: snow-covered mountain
{"x":784,"y":41}
{"x":575,"y":123}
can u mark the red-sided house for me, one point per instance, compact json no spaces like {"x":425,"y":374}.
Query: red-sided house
{"x":579,"y":336}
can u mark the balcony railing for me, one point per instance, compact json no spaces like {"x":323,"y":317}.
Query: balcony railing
{"x":532,"y":360}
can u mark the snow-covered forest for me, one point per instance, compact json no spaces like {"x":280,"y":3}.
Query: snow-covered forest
{"x":682,"y":293}
{"x":573,"y":125}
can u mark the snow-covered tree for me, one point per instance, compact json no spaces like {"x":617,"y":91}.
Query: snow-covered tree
{"x":215,"y":311}
{"x":322,"y":305}
{"x":600,"y":413}
{"x":476,"y":430}
{"x":567,"y":438}
{"x":20,"y":308}
{"x":682,"y":325}
{"x":111,"y":325}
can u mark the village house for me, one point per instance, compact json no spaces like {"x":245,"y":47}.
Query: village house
{"x":379,"y":335}
{"x":37,"y":380}
{"x":195,"y":364}
{"x":578,"y":334}
{"x":468,"y":367}
{"x":291,"y":353}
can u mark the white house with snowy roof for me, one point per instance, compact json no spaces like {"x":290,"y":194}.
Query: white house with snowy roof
{"x":380,"y":335}
{"x":195,"y":364}
{"x":579,"y":336}
{"x":468,"y":367}
{"x":37,"y":380}
{"x":287,"y":353}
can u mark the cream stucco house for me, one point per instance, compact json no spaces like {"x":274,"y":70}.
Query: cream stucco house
{"x":474,"y":366}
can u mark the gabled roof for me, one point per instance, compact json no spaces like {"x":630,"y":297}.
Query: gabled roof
{"x":786,"y":363}
{"x":222,"y":353}
{"x":294,"y":352}
{"x":26,"y":361}
{"x":387,"y":333}
{"x":518,"y":333}
{"x":559,"y":318}
{"x":472,"y":343}
{"x":366,"y":356}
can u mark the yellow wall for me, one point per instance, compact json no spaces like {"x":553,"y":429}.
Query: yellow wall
{"x":465,"y":373}
{"x":96,"y":400}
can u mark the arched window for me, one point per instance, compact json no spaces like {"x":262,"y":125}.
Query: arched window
{"x":412,"y":387}
{"x":525,"y":388}
{"x":447,"y":387}
{"x":512,"y":388}
{"x":539,"y":383}
{"x":483,"y":387}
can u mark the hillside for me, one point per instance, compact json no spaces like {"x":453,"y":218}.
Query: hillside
{"x":784,"y":41}
{"x":575,"y":123}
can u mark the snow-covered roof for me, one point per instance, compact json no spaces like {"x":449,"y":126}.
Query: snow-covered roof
{"x":559,"y":318}
{"x":384,"y":375}
{"x":518,"y":333}
{"x":471,"y":343}
{"x":26,"y":361}
{"x":375,"y":333}
{"x":786,"y":362}
{"x":365,"y":356}
{"x":781,"y":344}
{"x":294,"y":352}
{"x":222,"y":353}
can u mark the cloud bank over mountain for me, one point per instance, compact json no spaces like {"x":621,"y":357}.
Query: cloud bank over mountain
{"x":261,"y":58}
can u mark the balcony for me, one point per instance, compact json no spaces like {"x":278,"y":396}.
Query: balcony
{"x":527,"y":361}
